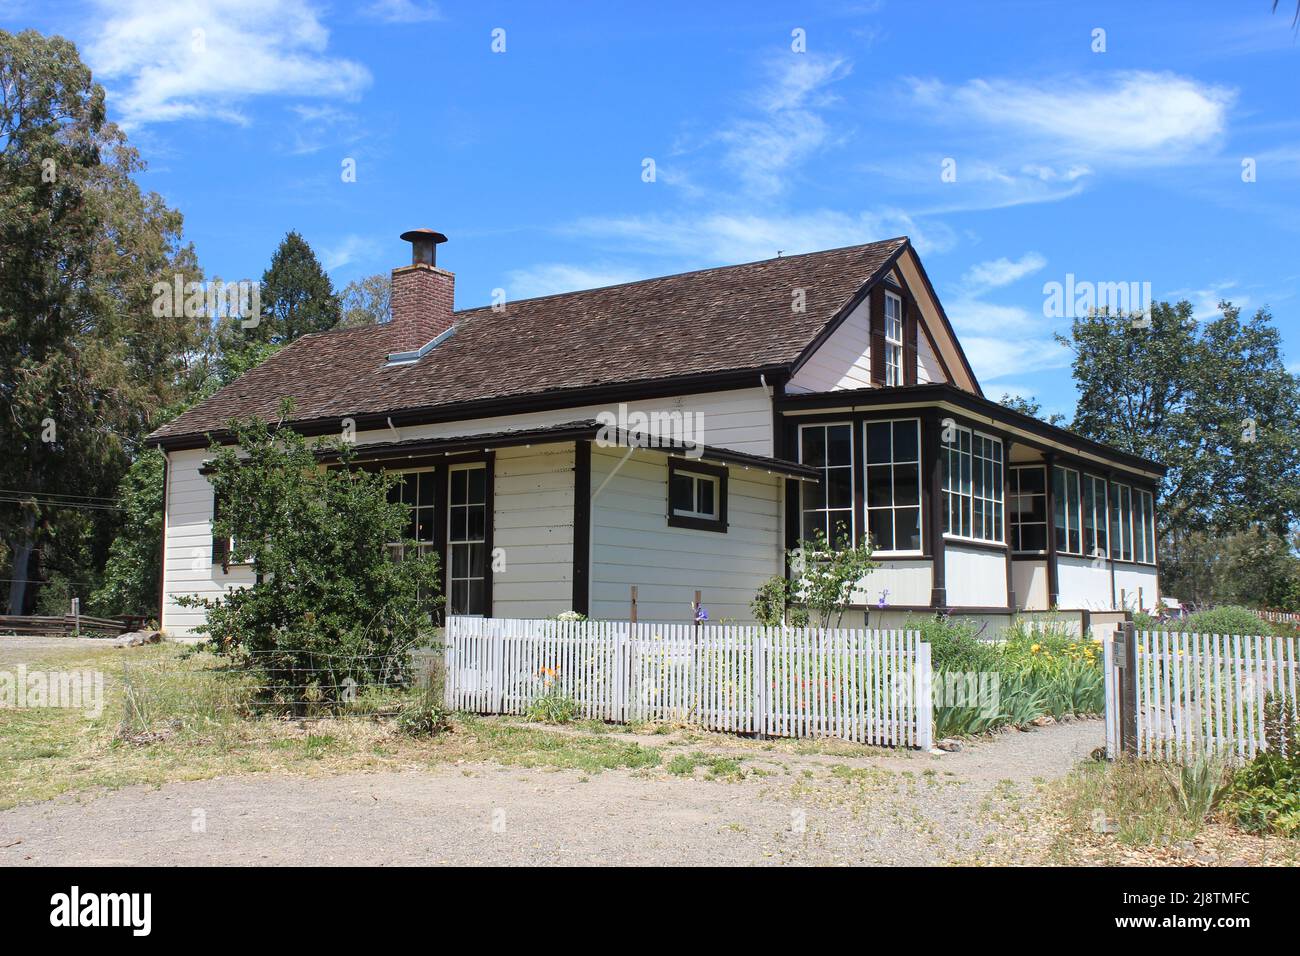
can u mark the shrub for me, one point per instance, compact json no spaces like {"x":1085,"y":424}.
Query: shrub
{"x":1266,"y":792}
{"x":825,"y":577}
{"x":552,"y":706}
{"x":426,"y":716}
{"x":1229,"y":619}
{"x":329,"y":611}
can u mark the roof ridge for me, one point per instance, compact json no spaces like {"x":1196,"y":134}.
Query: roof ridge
{"x":688,"y":272}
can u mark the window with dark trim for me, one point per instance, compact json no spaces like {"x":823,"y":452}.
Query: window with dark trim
{"x":1027,"y":509}
{"x":223,"y":549}
{"x":827,"y":506}
{"x":221,"y":546}
{"x":893,"y":484}
{"x":1095,"y":523}
{"x":1068,"y":519}
{"x":697,"y":495}
{"x":972,"y":484}
{"x":1121,"y":522}
{"x":893,"y":339}
{"x":467,"y":539}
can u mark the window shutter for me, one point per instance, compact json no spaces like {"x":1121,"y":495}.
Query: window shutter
{"x":876,"y":316}
{"x":910,"y":331}
{"x":220,"y":546}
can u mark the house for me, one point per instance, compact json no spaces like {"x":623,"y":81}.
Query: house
{"x":678,"y":434}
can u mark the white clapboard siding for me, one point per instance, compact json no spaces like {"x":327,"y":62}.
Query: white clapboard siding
{"x":867,"y":686}
{"x":1199,"y":693}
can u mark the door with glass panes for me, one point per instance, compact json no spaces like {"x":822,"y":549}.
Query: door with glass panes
{"x":467,"y":539}
{"x":461,"y":539}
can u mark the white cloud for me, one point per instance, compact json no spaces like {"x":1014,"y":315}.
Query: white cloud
{"x":734,"y":237}
{"x":403,"y":11}
{"x":995,"y":356}
{"x":347,"y":250}
{"x":763,"y":150}
{"x":1131,"y":116}
{"x":996,"y":273}
{"x":1205,"y":302}
{"x":550,"y":278}
{"x":203,"y":59}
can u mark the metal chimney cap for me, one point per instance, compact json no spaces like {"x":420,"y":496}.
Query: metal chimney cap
{"x":414,"y":235}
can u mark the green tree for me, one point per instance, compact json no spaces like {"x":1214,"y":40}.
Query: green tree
{"x":1254,"y":567}
{"x":1031,"y":407}
{"x":367,"y":301}
{"x":329,"y":601}
{"x":85,"y":359}
{"x":132,"y":574}
{"x":823,"y":579}
{"x":297,"y":295}
{"x":1213,"y":401}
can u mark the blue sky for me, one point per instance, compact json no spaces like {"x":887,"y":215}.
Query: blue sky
{"x":1123,"y":165}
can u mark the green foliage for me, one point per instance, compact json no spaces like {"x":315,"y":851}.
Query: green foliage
{"x":367,"y":301}
{"x":1225,"y":620}
{"x":1031,"y":407}
{"x":297,"y":295}
{"x":132,"y":574}
{"x":328,"y":602}
{"x":774,"y":604}
{"x":1038,"y":669}
{"x":426,"y":716}
{"x":1254,"y":567}
{"x":1266,"y":792}
{"x":85,"y":363}
{"x":824,"y":578}
{"x":552,"y":706}
{"x":1212,"y":400}
{"x":1197,"y":786}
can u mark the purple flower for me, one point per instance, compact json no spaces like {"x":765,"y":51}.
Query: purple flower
{"x":701,"y":613}
{"x":880,"y":602}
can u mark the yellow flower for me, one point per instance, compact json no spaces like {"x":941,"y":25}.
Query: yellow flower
{"x":1035,"y":648}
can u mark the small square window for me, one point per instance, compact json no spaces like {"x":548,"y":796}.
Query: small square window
{"x":697,"y":495}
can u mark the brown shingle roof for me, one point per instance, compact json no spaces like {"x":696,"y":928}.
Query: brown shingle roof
{"x":728,"y":319}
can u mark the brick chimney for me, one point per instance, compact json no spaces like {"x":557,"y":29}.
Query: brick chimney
{"x":422,"y":295}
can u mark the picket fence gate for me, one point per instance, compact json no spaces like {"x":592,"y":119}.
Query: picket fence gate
{"x":869,"y":686}
{"x":1196,"y":693}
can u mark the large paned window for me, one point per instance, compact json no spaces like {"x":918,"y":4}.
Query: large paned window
{"x":893,"y":488}
{"x":1068,"y":517}
{"x":1144,"y":530}
{"x":1028,"y":509}
{"x":1121,"y":522}
{"x":415,"y":490}
{"x":1094,"y":517}
{"x":828,"y":504}
{"x":467,"y":539}
{"x":893,"y":339}
{"x":972,"y":484}
{"x":1132,"y":524}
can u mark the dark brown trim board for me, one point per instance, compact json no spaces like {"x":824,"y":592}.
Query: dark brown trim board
{"x":1006,"y":520}
{"x":489,"y":527}
{"x":162,"y":544}
{"x":1053,"y":572}
{"x":690,"y":466}
{"x":991,"y":415}
{"x":932,"y":438}
{"x":582,"y":527}
{"x":509,"y":406}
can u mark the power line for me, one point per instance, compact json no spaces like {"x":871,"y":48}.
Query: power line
{"x":55,"y":494}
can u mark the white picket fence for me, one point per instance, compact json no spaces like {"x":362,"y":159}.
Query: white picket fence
{"x":1203,"y":692}
{"x":866,"y":686}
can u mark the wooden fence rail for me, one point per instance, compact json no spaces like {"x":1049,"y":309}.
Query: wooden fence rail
{"x":1197,"y":693}
{"x":867,"y":686}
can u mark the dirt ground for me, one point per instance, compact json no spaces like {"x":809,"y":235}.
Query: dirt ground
{"x":781,"y":807}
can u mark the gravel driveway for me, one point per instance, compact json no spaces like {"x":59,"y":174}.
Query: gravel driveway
{"x":906,"y":808}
